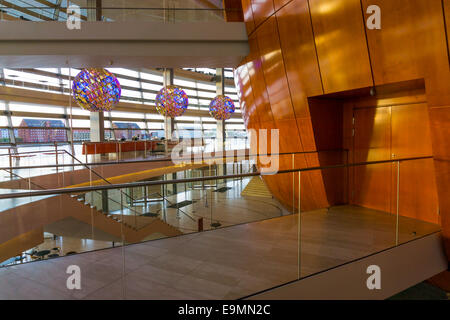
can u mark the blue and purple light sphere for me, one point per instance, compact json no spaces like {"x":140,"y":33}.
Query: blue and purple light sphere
{"x":171,"y":101}
{"x":96,"y":89}
{"x":221,"y":107}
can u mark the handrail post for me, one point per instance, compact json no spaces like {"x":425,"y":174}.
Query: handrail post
{"x":299,"y":224}
{"x":211,"y":208}
{"x":56,"y":156}
{"x":63,"y":170}
{"x":164,"y":199}
{"x":145,"y":149}
{"x":10,"y":163}
{"x":293,"y":184}
{"x":398,"y":204}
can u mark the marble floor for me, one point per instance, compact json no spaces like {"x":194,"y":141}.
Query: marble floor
{"x":226,"y":263}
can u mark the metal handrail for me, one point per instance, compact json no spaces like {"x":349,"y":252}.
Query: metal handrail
{"x":163,"y":182}
{"x":98,"y":192}
{"x":117,"y":202}
{"x":20,"y":177}
{"x":26,"y":152}
{"x":170,"y":202}
{"x":81,"y":163}
{"x":120,"y":8}
{"x":165,"y":159}
{"x":104,"y":179}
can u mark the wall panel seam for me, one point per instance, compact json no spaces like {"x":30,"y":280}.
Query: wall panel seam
{"x":264,"y":77}
{"x":262,"y":22}
{"x":367,"y":42}
{"x":445,"y":31}
{"x":288,"y":85}
{"x":315,"y":47}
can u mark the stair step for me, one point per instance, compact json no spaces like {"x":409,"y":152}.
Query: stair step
{"x":116,"y":218}
{"x":257,"y":188}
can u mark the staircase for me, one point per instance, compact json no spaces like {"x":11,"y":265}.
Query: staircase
{"x":256,"y":188}
{"x":115,"y":217}
{"x":122,"y":225}
{"x":35,"y":216}
{"x":41,"y":213}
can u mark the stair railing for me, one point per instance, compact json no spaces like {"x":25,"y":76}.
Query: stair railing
{"x":136,"y":213}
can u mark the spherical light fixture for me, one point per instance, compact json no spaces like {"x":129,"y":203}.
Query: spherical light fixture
{"x":96,"y":89}
{"x":171,"y":101}
{"x":221,"y":108}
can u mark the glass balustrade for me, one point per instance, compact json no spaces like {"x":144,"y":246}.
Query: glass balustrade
{"x":220,"y":222}
{"x":168,"y":12}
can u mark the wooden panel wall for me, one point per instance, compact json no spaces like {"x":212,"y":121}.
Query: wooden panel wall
{"x":279,"y":3}
{"x":303,"y":49}
{"x":440,"y":130}
{"x":233,"y":10}
{"x":411,"y":45}
{"x":262,"y":9}
{"x":248,"y":16}
{"x":394,"y":132}
{"x":372,"y":185}
{"x":341,"y":44}
{"x":281,"y":47}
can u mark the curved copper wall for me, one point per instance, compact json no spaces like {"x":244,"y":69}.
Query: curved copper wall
{"x":302,"y":50}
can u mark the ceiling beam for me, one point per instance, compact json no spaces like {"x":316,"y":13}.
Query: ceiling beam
{"x":25,"y":11}
{"x":47,"y":4}
{"x":57,"y":7}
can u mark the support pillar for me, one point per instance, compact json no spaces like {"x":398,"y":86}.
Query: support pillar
{"x":12,"y":137}
{"x":69,"y":133}
{"x":2,"y":77}
{"x":95,"y":11}
{"x":220,"y":129}
{"x":169,"y":123}
{"x":220,"y":126}
{"x":97,"y":126}
{"x":57,"y":10}
{"x":97,"y":119}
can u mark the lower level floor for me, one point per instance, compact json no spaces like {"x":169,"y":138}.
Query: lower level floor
{"x":227,"y":263}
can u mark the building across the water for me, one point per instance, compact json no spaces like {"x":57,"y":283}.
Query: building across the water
{"x":38,"y":131}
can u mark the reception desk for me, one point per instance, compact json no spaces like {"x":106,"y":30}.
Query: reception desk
{"x":119,"y":146}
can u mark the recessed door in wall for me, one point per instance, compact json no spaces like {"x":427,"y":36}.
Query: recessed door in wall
{"x":389,"y":133}
{"x":372,"y":142}
{"x":411,"y":138}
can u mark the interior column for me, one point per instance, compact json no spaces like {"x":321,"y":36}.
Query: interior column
{"x":97,"y":119}
{"x":220,"y":129}
{"x":169,"y":124}
{"x":220,"y":126}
